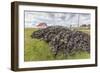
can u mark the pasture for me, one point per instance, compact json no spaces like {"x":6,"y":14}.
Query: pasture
{"x":39,"y":50}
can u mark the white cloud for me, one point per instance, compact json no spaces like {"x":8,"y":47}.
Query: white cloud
{"x":64,"y":19}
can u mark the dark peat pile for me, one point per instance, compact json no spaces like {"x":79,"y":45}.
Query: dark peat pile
{"x":63,"y":40}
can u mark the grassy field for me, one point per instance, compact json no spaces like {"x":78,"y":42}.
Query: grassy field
{"x":38,"y":50}
{"x":83,"y":29}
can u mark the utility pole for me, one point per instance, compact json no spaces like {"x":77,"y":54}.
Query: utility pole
{"x":78,"y":20}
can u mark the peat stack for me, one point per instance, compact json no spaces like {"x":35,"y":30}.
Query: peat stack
{"x":63,"y":40}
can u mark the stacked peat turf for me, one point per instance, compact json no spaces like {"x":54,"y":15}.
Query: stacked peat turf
{"x":63,"y":40}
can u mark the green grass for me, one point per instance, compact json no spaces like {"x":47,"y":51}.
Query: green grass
{"x":83,"y":29}
{"x":39,"y":50}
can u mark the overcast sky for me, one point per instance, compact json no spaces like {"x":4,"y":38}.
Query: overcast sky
{"x":53,"y":18}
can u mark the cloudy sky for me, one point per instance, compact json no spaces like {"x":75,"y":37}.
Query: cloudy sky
{"x":32,"y":18}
